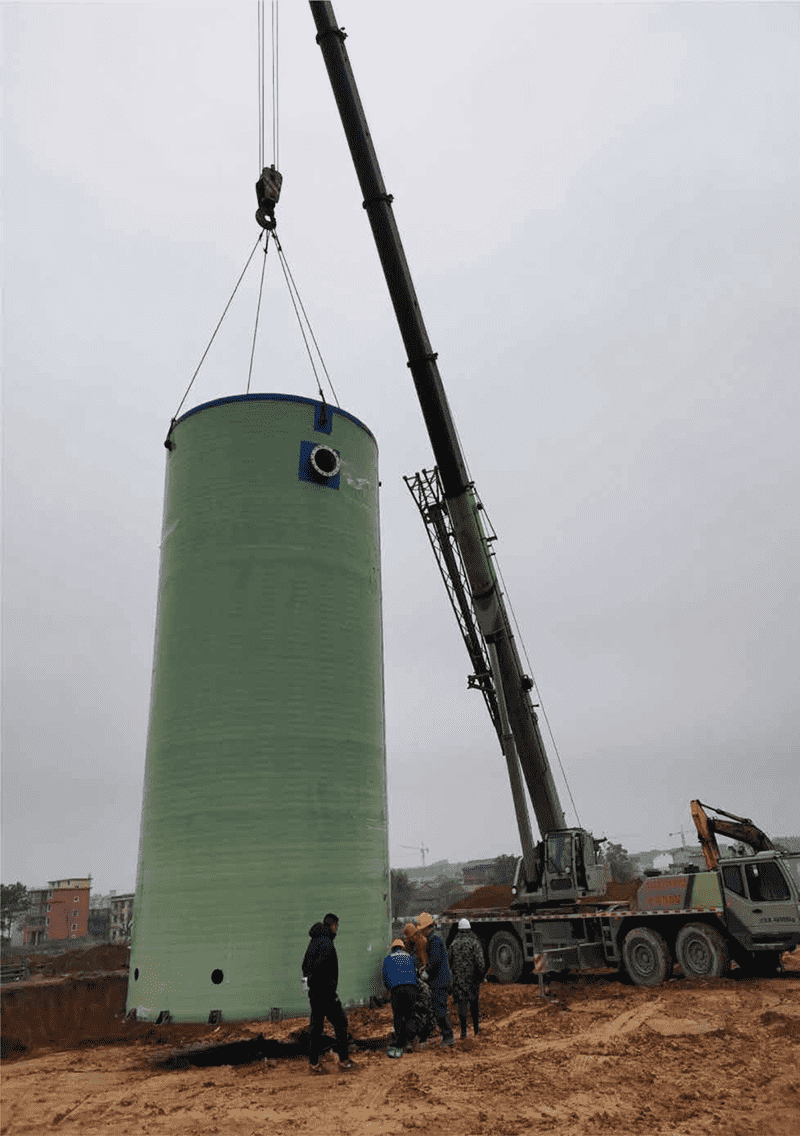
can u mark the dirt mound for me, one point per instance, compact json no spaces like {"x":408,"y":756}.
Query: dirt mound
{"x":88,"y":960}
{"x":484,"y":898}
{"x":622,"y":893}
{"x":493,"y":896}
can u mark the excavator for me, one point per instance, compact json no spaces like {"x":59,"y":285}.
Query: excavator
{"x":562,"y":915}
{"x":734,"y":827}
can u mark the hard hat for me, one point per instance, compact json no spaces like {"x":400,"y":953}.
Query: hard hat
{"x":464,"y":924}
{"x":398,"y":943}
{"x":424,"y":920}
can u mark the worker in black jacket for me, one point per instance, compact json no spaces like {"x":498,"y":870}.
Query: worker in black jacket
{"x":321,"y":973}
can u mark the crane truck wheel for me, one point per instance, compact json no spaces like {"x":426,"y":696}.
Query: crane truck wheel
{"x":701,"y":951}
{"x":505,"y":957}
{"x":646,"y":957}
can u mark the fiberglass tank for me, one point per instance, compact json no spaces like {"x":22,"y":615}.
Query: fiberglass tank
{"x":265,"y":783}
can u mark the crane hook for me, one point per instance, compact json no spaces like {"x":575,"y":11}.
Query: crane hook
{"x":268,"y":192}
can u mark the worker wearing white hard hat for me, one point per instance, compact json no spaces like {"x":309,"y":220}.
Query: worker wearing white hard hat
{"x":468,"y":967}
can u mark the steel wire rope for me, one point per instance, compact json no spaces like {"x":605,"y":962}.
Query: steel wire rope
{"x":533,"y":677}
{"x":275,"y":131}
{"x":541,"y":700}
{"x":211,"y":340}
{"x":295,"y":292}
{"x":521,"y":640}
{"x":258,"y":312}
{"x":260,"y":49}
{"x":262,"y":82}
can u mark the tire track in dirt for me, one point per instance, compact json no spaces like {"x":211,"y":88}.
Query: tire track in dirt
{"x":624,"y":1023}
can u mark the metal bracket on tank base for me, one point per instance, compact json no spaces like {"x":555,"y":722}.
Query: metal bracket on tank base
{"x":163,"y":1018}
{"x":275,"y":1014}
{"x":214,"y":1017}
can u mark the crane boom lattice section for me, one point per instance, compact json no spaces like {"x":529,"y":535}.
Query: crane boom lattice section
{"x":426,"y":489}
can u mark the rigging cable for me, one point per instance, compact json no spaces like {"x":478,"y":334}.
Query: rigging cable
{"x":521,"y":641}
{"x":168,"y":443}
{"x":268,"y":189}
{"x":294,"y":292}
{"x":258,"y":312}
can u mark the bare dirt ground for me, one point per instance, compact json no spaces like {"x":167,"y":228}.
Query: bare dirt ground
{"x":686,"y":1059}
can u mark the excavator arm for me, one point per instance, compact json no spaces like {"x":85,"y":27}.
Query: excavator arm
{"x":735,"y":827}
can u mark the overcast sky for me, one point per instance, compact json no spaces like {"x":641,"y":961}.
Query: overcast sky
{"x":600,"y":209}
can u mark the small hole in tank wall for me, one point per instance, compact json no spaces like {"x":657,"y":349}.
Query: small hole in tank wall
{"x":136,"y":974}
{"x":217,"y":977}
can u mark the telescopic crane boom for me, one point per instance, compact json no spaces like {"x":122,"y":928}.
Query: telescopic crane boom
{"x":519,"y":728}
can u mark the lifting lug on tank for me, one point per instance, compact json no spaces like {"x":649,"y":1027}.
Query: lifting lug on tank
{"x":268,"y":192}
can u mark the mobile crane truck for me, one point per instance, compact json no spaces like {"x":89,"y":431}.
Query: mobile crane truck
{"x":561,"y":915}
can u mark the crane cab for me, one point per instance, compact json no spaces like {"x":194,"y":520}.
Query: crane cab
{"x":566,"y":869}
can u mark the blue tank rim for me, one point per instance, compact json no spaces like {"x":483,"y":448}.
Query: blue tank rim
{"x":274,"y":398}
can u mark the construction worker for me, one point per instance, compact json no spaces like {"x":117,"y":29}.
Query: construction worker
{"x":400,"y":979}
{"x":423,"y":1020}
{"x":468,"y":966}
{"x":321,"y":978}
{"x":416,"y":945}
{"x":437,"y":974}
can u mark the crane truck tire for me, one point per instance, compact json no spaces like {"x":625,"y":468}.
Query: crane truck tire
{"x":646,"y":957}
{"x":701,"y":951}
{"x":505,"y":957}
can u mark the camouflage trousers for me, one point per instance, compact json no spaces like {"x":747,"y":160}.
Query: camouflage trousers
{"x":422,"y":1022}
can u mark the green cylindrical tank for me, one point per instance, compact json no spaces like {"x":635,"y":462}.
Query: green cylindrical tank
{"x":265,"y":783}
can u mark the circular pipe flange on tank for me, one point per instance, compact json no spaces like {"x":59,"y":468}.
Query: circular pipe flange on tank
{"x":325,"y":461}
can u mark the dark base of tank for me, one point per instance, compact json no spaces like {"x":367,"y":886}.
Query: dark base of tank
{"x":258,"y":1049}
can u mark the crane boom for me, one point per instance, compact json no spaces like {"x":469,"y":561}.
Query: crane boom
{"x":511,"y":684}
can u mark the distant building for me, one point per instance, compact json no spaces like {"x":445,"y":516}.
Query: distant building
{"x":121,"y":917}
{"x":99,"y":922}
{"x":59,"y":911}
{"x":35,"y":929}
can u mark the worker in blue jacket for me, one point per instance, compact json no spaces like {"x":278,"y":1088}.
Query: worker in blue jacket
{"x":440,"y":979}
{"x":400,"y":979}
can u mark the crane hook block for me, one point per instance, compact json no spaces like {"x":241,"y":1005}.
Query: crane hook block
{"x":268,"y":192}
